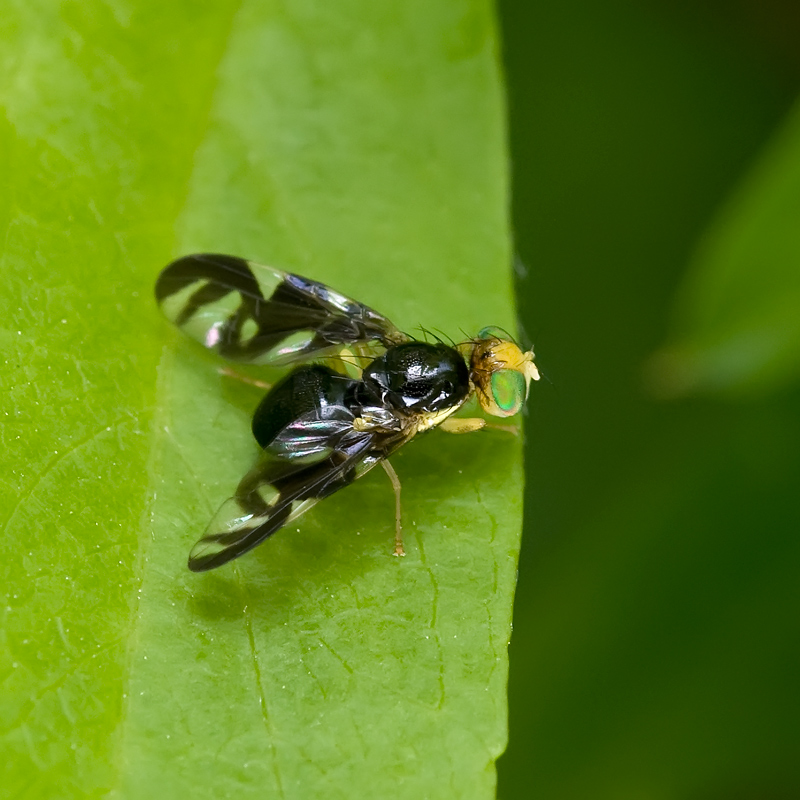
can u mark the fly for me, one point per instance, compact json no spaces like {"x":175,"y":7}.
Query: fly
{"x":320,"y":428}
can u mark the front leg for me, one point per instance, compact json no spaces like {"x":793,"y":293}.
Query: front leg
{"x":470,"y":424}
{"x":462,"y":424}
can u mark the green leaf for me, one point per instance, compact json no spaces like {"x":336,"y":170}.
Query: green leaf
{"x":361,"y":144}
{"x":737,"y":316}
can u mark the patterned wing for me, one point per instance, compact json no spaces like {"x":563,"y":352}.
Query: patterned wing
{"x":309,"y":460}
{"x":248,"y":312}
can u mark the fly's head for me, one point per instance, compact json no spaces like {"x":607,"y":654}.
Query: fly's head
{"x":500,"y":372}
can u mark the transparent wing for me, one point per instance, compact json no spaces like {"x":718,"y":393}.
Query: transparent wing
{"x":248,"y":312}
{"x":299,"y":468}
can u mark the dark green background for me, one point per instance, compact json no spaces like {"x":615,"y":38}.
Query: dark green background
{"x":655,"y":651}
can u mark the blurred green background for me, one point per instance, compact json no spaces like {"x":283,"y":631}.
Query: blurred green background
{"x":656,"y":203}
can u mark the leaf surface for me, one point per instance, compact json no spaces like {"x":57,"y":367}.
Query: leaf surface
{"x":358,"y":143}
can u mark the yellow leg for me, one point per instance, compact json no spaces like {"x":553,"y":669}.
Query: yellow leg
{"x":398,"y":528}
{"x":232,"y":373}
{"x":462,"y":425}
{"x":507,"y":428}
{"x":346,"y":362}
{"x":470,"y":424}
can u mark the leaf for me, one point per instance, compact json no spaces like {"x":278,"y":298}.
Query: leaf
{"x":363,"y":145}
{"x":737,"y":326}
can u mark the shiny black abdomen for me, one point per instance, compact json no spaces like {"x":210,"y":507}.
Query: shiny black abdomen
{"x":417,"y":377}
{"x":305,"y":389}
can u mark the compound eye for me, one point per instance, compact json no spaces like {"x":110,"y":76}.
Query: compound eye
{"x":508,"y":392}
{"x":493,"y":332}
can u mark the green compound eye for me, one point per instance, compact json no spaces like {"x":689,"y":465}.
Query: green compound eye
{"x":493,"y":332}
{"x":508,"y":391}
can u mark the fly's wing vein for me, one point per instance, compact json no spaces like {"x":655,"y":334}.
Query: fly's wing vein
{"x":248,"y":312}
{"x":275,"y":493}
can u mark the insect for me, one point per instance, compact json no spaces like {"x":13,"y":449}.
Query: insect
{"x":322,"y":427}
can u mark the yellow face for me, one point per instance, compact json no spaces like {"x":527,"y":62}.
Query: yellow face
{"x":501,"y":373}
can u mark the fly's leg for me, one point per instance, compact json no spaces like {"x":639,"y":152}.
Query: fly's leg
{"x":350,"y":361}
{"x":462,"y":424}
{"x":232,"y":373}
{"x":398,"y":527}
{"x":470,"y":424}
{"x":514,"y":429}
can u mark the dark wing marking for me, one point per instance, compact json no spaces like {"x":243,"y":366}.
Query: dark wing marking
{"x":248,"y":312}
{"x":300,"y":468}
